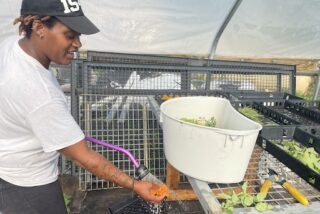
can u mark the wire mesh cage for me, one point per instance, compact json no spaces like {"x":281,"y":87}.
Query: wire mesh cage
{"x":110,"y":98}
{"x":125,"y":121}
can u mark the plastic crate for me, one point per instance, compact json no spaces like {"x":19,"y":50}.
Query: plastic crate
{"x":136,"y":205}
{"x":298,"y":133}
{"x":312,"y":130}
{"x":307,"y":112}
{"x":288,"y":125}
{"x":266,"y":108}
{"x":283,"y":112}
{"x":314,"y":105}
{"x":132,"y":205}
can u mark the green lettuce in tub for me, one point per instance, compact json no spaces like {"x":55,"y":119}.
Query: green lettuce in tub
{"x":211,"y":122}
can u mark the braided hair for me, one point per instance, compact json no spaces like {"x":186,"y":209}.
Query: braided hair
{"x":26,"y":21}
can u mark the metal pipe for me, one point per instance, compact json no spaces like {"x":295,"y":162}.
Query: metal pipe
{"x":145,"y":135}
{"x":135,"y":162}
{"x":308,"y":73}
{"x":315,"y":74}
{"x":317,"y":88}
{"x":222,"y":28}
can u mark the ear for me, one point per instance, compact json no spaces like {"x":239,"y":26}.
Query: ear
{"x":38,"y":28}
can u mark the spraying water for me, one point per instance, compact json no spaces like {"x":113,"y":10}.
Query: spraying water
{"x":155,"y":208}
{"x":163,"y":207}
{"x":144,"y":175}
{"x":151,"y":178}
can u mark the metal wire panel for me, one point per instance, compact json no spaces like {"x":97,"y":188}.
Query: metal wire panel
{"x":134,"y":58}
{"x":143,"y":59}
{"x":246,"y":82}
{"x":62,"y":73}
{"x":285,"y":83}
{"x":125,"y":121}
{"x":127,"y":78}
{"x":99,"y":78}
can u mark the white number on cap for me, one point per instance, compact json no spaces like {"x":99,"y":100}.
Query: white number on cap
{"x":70,"y":6}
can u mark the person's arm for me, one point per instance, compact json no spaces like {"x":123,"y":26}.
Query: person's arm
{"x":101,"y":167}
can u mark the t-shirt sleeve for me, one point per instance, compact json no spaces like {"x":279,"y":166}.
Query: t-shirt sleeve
{"x":54,"y":126}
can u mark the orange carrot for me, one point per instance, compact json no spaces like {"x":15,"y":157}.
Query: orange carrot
{"x":163,"y":190}
{"x":165,"y":97}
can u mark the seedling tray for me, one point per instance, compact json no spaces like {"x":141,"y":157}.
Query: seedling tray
{"x":309,"y":110}
{"x":313,"y":105}
{"x":312,"y":130}
{"x":294,"y":164}
{"x":269,"y":114}
{"x":291,"y":132}
{"x":297,"y":114}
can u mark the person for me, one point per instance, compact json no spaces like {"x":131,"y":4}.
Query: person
{"x":35,"y":123}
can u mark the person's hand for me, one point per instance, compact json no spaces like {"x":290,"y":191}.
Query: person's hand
{"x":151,"y":192}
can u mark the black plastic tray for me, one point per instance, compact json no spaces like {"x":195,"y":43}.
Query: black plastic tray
{"x":130,"y":206}
{"x":312,"y":130}
{"x":263,"y":107}
{"x":309,"y":112}
{"x":284,"y":112}
{"x":136,"y":205}
{"x":314,"y":105}
{"x":298,"y":133}
{"x":295,"y":165}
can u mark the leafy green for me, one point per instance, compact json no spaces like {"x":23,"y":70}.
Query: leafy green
{"x":263,"y":206}
{"x":247,"y":200}
{"x":211,"y":122}
{"x":307,"y":156}
{"x":67,"y":200}
{"x":232,"y":199}
{"x":251,"y":114}
{"x":260,"y":197}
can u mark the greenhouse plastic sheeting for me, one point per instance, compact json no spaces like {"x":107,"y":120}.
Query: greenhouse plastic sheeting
{"x":259,"y":28}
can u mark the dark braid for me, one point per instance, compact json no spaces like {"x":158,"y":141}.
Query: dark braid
{"x":26,"y":22}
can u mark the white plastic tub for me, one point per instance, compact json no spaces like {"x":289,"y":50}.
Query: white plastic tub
{"x":220,"y":154}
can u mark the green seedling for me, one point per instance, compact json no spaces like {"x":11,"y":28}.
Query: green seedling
{"x":245,"y":199}
{"x":211,"y":122}
{"x":67,"y":201}
{"x":308,"y":156}
{"x":251,"y":114}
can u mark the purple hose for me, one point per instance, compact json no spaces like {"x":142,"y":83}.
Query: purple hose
{"x":135,"y":162}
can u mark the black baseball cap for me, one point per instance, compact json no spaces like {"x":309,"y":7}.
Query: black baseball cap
{"x":69,"y":12}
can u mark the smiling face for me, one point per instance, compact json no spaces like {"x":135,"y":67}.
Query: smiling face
{"x":59,"y":43}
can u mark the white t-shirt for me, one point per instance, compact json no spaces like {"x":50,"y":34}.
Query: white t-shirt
{"x":34,"y":119}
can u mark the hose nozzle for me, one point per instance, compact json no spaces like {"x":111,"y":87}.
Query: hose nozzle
{"x":142,"y":171}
